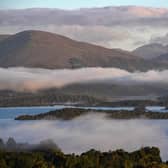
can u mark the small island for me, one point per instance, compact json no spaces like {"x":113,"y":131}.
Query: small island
{"x":72,"y":113}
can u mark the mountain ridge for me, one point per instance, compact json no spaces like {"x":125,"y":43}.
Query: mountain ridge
{"x":150,"y":51}
{"x":86,"y":16}
{"x":48,"y":50}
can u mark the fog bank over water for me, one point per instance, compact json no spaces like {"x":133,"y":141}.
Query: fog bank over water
{"x":33,"y":79}
{"x":91,"y":131}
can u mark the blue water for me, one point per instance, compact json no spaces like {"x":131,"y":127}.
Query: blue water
{"x":157,"y":109}
{"x":12,"y":112}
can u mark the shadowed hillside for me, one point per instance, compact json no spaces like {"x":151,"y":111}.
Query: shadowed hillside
{"x":47,"y":50}
{"x":3,"y":37}
{"x":151,"y":51}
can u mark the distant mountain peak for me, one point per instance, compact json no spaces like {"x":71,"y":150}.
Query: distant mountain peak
{"x":151,"y":51}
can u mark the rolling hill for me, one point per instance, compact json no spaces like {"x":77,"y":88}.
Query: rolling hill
{"x":48,"y":50}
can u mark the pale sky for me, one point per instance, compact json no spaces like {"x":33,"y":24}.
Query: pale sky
{"x":71,"y":4}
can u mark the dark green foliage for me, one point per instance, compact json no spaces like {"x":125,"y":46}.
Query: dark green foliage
{"x":143,"y":158}
{"x":63,"y":114}
{"x":3,"y":163}
{"x":11,"y":144}
{"x":2,"y":145}
{"x":71,"y":113}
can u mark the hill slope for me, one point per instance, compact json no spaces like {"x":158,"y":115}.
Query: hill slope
{"x":162,"y":58}
{"x":151,"y":51}
{"x":48,"y":50}
{"x":3,"y":37}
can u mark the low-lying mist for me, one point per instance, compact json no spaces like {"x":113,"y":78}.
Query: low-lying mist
{"x":90,"y":131}
{"x":12,"y":145}
{"x":33,"y":79}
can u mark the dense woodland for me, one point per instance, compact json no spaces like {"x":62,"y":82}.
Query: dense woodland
{"x":13,"y":156}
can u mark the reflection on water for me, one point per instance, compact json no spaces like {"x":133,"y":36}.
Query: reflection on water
{"x":91,"y":131}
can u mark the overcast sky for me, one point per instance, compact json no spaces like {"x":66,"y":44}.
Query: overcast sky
{"x":71,"y":4}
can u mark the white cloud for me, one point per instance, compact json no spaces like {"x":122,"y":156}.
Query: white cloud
{"x":114,"y":27}
{"x":33,"y":79}
{"x":91,"y":131}
{"x":126,"y":37}
{"x":160,"y":39}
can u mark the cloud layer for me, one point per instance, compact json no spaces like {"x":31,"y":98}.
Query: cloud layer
{"x":32,"y":79}
{"x":91,"y":131}
{"x":114,"y":27}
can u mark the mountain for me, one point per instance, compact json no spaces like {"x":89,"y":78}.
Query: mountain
{"x":151,"y":51}
{"x":162,"y":58}
{"x":2,"y":37}
{"x":84,"y":93}
{"x":86,"y":16}
{"x":109,"y":91}
{"x":106,"y":26}
{"x":48,"y":50}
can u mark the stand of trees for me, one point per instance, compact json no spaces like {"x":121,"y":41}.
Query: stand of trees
{"x":148,"y":157}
